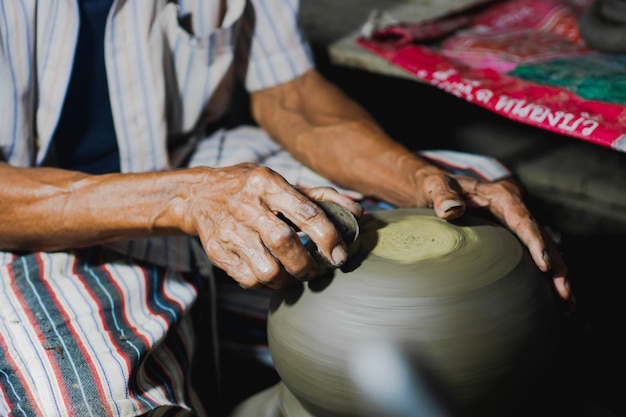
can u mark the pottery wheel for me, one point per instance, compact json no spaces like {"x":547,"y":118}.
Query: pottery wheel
{"x":462,"y":299}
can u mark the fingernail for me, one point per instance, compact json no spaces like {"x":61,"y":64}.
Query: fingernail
{"x":546,"y":258}
{"x":339,"y":255}
{"x":451,"y":205}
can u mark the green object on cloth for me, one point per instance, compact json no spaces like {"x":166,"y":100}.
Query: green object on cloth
{"x":595,"y":76}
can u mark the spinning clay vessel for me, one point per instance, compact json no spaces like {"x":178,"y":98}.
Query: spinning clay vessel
{"x":469,"y":316}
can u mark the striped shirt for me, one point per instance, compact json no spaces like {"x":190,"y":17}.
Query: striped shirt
{"x":169,"y":67}
{"x":98,"y":332}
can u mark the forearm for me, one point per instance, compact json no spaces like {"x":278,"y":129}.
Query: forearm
{"x":334,"y":136}
{"x":49,"y":209}
{"x":337,"y":138}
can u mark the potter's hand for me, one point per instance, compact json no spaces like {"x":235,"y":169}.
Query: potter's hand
{"x":450,"y":195}
{"x":235,"y":212}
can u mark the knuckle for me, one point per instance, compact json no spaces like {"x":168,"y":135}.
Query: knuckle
{"x":214,"y":248}
{"x":503,"y":188}
{"x":309,"y":210}
{"x":280,"y":236}
{"x":260,"y":175}
{"x":267,"y":271}
{"x":268,"y":276}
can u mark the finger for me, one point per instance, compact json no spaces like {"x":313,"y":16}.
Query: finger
{"x":231,"y":264}
{"x":505,"y":202}
{"x":284,"y":200}
{"x":330,"y":194}
{"x":559,"y":271}
{"x":308,"y":217}
{"x":443,"y":194}
{"x":546,"y":256}
{"x":251,"y":265}
{"x":283,"y":244}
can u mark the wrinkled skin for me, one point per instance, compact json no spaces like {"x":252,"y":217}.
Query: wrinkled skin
{"x":503,"y":199}
{"x":235,"y":210}
{"x":248,"y":240}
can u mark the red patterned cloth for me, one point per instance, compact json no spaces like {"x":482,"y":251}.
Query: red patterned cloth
{"x":522,"y":59}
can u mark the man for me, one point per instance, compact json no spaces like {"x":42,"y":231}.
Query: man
{"x":121,"y":188}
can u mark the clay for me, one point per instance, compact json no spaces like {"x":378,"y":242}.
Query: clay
{"x":460,"y":303}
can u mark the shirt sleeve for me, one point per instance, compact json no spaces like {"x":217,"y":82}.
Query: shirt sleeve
{"x":278,"y":51}
{"x":481,"y":167}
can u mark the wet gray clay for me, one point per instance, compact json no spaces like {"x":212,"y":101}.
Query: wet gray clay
{"x":459,"y":305}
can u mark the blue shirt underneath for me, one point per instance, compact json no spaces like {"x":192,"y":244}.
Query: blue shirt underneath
{"x":84,"y":139}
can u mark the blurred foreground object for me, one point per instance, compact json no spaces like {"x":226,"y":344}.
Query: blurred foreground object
{"x":459,"y":306}
{"x":603,"y":26}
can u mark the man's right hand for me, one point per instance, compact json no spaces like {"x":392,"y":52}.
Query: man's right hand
{"x":236,"y":212}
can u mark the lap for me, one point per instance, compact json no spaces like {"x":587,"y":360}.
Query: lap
{"x":92,"y":332}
